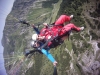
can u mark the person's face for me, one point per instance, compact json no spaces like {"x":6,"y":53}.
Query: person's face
{"x":36,"y":44}
{"x":40,"y":37}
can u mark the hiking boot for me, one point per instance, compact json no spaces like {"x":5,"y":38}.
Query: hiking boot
{"x":81,"y":28}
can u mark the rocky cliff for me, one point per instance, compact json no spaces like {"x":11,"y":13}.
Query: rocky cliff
{"x":77,"y":56}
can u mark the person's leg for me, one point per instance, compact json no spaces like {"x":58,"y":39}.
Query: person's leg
{"x":74,"y":27}
{"x":62,"y":19}
{"x":59,"y":23}
{"x":66,"y":30}
{"x":71,"y":26}
{"x":49,"y":56}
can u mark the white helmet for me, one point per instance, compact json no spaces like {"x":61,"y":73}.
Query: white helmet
{"x":34,"y":37}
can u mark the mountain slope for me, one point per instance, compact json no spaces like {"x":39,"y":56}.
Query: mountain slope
{"x":77,"y":56}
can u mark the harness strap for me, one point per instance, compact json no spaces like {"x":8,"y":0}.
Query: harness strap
{"x":46,"y":43}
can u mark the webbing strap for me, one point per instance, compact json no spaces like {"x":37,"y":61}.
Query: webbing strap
{"x":46,"y":43}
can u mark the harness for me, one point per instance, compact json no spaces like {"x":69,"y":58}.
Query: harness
{"x":55,"y":38}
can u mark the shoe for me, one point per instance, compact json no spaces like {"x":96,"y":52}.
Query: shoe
{"x":81,"y":28}
{"x":55,"y":63}
{"x":71,"y":16}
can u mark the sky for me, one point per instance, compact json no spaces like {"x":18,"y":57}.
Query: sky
{"x":5,"y":8}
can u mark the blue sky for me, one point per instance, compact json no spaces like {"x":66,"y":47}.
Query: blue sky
{"x":5,"y":8}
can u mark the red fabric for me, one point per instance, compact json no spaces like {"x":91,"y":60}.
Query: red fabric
{"x":58,"y":32}
{"x":62,"y":19}
{"x":42,"y":32}
{"x":46,"y":32}
{"x":59,"y":23}
{"x":55,"y":29}
{"x":58,"y":29}
{"x":67,"y":28}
